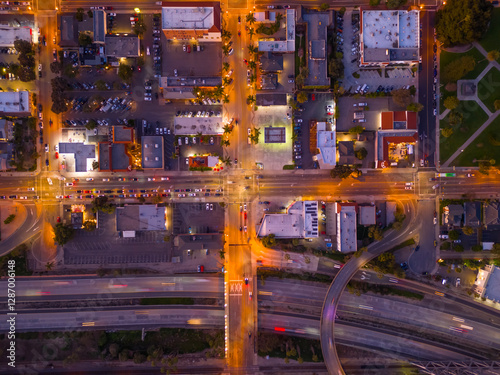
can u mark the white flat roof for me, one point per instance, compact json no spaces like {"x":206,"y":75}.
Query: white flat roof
{"x":390,"y":29}
{"x":14,"y":101}
{"x":326,"y":143}
{"x":346,"y":228}
{"x":300,"y":221}
{"x":187,"y":18}
{"x":8,"y":35}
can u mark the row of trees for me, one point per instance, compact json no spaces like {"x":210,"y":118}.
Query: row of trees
{"x":59,"y":99}
{"x":26,"y":68}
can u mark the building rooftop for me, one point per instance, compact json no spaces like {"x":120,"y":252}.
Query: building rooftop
{"x":300,"y":221}
{"x":9,"y":34}
{"x":274,"y":135}
{"x":100,"y":29}
{"x":191,"y":20}
{"x":326,"y":144}
{"x":122,"y":46}
{"x":487,"y":283}
{"x":187,"y":83}
{"x":346,"y":227}
{"x":491,"y":216}
{"x":152,"y":152}
{"x":346,"y":153}
{"x":81,"y":153}
{"x":317,"y":24}
{"x":287,"y":45}
{"x":269,"y":81}
{"x":472,"y":214}
{"x":14,"y":102}
{"x":140,"y":218}
{"x":399,"y":120}
{"x":367,"y":215}
{"x":271,"y":62}
{"x":194,"y":125}
{"x":122,"y":134}
{"x":69,"y":31}
{"x":267,"y":99}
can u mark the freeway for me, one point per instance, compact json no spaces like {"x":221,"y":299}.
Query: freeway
{"x":340,"y":281}
{"x":200,"y":317}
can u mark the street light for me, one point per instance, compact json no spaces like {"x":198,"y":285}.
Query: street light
{"x":137,"y":10}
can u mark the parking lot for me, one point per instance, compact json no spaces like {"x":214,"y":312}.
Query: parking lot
{"x":197,"y":218}
{"x":204,"y":63}
{"x":104,"y":246}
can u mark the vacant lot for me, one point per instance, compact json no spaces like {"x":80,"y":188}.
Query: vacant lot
{"x":488,"y":89}
{"x":473,"y":118}
{"x":484,"y":147}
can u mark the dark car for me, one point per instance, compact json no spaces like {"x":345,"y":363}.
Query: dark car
{"x":435,"y":48}
{"x":47,"y":162}
{"x":39,"y":107}
{"x":404,"y":266}
{"x":417,"y":248}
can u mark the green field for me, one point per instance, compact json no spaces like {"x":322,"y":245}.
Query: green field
{"x":448,"y":57}
{"x":488,"y":89}
{"x":483,"y":147}
{"x":490,"y":40}
{"x":474,"y":117}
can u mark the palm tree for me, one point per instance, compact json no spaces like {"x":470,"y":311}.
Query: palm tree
{"x":279,"y":17}
{"x":173,"y":156}
{"x":226,"y":34}
{"x":199,"y":134}
{"x":251,"y":32}
{"x":49,"y":266}
{"x":225,"y":67}
{"x":226,"y":99}
{"x":252,"y":64}
{"x":225,"y":143}
{"x":250,"y":99}
{"x":219,"y":91}
{"x":252,"y":49}
{"x":250,"y":18}
{"x":253,"y":78}
{"x":225,"y":49}
{"x":227,"y":129}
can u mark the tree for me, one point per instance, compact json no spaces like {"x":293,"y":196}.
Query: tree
{"x":468,"y":231}
{"x":401,"y":97}
{"x":252,"y":64}
{"x":324,"y":6}
{"x":55,"y":67}
{"x":414,"y":107}
{"x":225,"y":66}
{"x":393,"y":4}
{"x":451,"y":102}
{"x":23,"y":46}
{"x":26,"y":74}
{"x":453,"y":235}
{"x":341,"y":171}
{"x":100,"y":85}
{"x":89,"y":226}
{"x":493,"y":55}
{"x":455,"y":118}
{"x":302,"y":97}
{"x":63,"y":233}
{"x":90,"y":14}
{"x":458,"y":68}
{"x":361,"y":153}
{"x":49,"y":265}
{"x":225,"y":49}
{"x":497,"y":104}
{"x":84,"y":40}
{"x":269,"y":240}
{"x":101,"y":204}
{"x":376,"y":233}
{"x":125,"y":72}
{"x":358,"y":129}
{"x":252,"y":49}
{"x":250,"y":18}
{"x":250,"y":99}
{"x":374,"y":3}
{"x":336,"y":68}
{"x":251,"y":32}
{"x":447,"y":132}
{"x":462,"y":21}
{"x":140,"y":27}
{"x":79,"y":14}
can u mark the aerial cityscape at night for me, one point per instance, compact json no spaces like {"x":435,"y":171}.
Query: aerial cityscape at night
{"x":250,"y":187}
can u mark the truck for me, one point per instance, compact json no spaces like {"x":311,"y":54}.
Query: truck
{"x":446,"y":174}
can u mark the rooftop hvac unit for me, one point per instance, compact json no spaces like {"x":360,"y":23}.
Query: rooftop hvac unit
{"x":146,"y":158}
{"x":157,"y":145}
{"x":146,"y":146}
{"x":157,"y":158}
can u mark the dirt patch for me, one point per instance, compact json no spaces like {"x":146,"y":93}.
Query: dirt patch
{"x":451,"y":87}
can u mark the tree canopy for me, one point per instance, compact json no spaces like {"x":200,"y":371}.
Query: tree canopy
{"x":451,"y":102}
{"x":341,"y":171}
{"x":63,"y":233}
{"x":401,"y":97}
{"x":462,"y":21}
{"x":414,"y":107}
{"x":457,"y":69}
{"x":125,"y":72}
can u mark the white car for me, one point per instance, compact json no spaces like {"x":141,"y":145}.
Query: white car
{"x":207,"y":206}
{"x":31,"y":189}
{"x":164,"y":178}
{"x":151,"y":178}
{"x":69,"y":184}
{"x":39,"y":67}
{"x":105,"y":179}
{"x":89,"y":179}
{"x":147,"y":98}
{"x":56,"y":148}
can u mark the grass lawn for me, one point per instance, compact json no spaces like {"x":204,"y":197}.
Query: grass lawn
{"x":490,"y":40}
{"x":448,"y":57}
{"x":482,"y":148}
{"x":488,"y":89}
{"x":474,"y":117}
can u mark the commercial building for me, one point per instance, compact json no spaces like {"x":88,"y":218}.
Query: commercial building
{"x":140,"y":218}
{"x":326,"y":144}
{"x":346,"y":227}
{"x":317,"y":24}
{"x":288,"y":44}
{"x":100,"y":29}
{"x":182,"y":87}
{"x":68,"y":30}
{"x":113,"y":155}
{"x":197,"y":20}
{"x":15,"y":103}
{"x":122,"y":46}
{"x":487,"y":283}
{"x":203,"y":161}
{"x":79,"y":155}
{"x":396,"y":139}
{"x":300,"y":221}
{"x":367,"y":215}
{"x":346,"y":154}
{"x":389,"y":37}
{"x":9,"y":34}
{"x":152,"y":152}
{"x":453,"y":215}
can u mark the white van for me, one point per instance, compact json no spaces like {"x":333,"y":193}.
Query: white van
{"x":357,"y":90}
{"x":363,"y":88}
{"x":147,"y":51}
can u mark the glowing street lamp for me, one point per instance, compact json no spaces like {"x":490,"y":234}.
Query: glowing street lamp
{"x":137,"y":10}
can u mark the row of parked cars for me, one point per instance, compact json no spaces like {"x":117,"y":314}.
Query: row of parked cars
{"x":156,"y":46}
{"x":198,"y":114}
